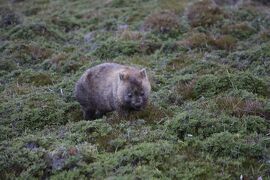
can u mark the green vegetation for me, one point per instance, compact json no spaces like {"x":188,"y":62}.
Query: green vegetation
{"x":209,"y":111}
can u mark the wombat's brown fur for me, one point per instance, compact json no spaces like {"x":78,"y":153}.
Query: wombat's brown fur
{"x":109,"y":87}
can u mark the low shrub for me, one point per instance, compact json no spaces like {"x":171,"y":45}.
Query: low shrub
{"x":9,"y":18}
{"x":226,"y":42}
{"x":210,"y":85}
{"x":196,"y":40}
{"x":34,"y":31}
{"x":204,"y":13}
{"x":240,"y":31}
{"x":162,"y":22}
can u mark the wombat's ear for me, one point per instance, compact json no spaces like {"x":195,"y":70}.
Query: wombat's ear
{"x":123,"y":76}
{"x":143,"y":73}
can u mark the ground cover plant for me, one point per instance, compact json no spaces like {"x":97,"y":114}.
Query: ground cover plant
{"x":209,"y":66}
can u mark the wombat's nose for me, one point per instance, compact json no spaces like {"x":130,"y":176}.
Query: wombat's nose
{"x":137,"y":105}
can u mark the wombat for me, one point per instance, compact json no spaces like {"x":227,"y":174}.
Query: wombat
{"x":112,"y":87}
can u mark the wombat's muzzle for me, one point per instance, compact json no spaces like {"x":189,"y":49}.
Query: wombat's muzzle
{"x":138,"y":106}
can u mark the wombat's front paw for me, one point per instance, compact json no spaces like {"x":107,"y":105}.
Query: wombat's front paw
{"x":89,"y":114}
{"x":123,"y":114}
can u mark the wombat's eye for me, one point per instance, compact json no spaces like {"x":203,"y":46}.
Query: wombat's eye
{"x":129,"y":95}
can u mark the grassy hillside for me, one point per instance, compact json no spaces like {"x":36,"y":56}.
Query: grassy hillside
{"x":209,"y":63}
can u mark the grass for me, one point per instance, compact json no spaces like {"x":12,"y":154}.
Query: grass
{"x":209,"y":110}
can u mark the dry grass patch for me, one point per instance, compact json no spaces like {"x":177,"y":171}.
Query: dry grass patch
{"x":130,"y":35}
{"x":241,"y":30}
{"x":173,"y":5}
{"x":204,"y":13}
{"x":226,"y":42}
{"x":239,"y":107}
{"x":196,"y":40}
{"x":179,"y":62}
{"x":186,"y":89}
{"x":163,"y":22}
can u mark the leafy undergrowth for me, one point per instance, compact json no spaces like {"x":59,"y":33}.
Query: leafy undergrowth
{"x":209,"y":112}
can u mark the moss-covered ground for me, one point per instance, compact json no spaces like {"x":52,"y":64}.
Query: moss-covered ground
{"x":209,"y":111}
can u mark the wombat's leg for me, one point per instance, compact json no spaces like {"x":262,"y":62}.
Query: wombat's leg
{"x":99,"y":114}
{"x":122,"y":113}
{"x":89,"y":114}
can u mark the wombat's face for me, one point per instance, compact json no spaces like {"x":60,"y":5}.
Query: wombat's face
{"x":135,"y":89}
{"x":135,"y":98}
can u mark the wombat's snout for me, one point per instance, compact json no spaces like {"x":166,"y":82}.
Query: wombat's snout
{"x":138,"y":104}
